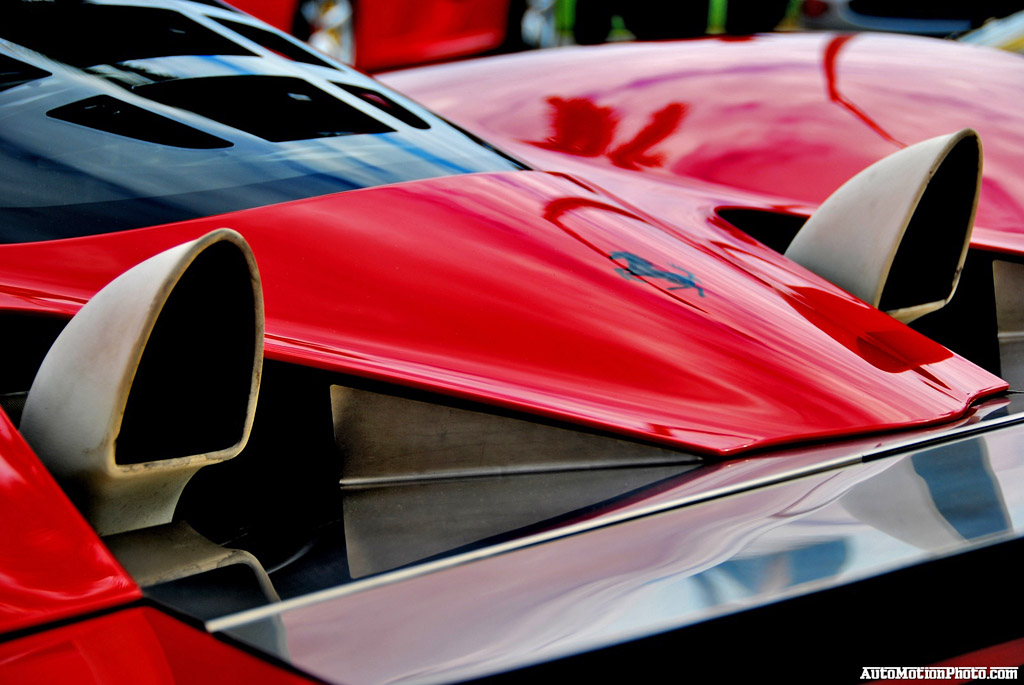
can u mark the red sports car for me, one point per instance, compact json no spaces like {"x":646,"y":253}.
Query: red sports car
{"x":385,"y":35}
{"x":708,"y":354}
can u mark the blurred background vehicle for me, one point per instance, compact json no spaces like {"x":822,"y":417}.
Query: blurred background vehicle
{"x":375,"y":36}
{"x":925,"y":17}
{"x":1006,"y":33}
{"x":593,"y":20}
{"x":382,"y":36}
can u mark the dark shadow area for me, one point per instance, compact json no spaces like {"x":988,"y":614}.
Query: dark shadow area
{"x":774,"y":229}
{"x":191,"y":391}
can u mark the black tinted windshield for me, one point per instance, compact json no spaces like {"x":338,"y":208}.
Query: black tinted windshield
{"x":120,"y":116}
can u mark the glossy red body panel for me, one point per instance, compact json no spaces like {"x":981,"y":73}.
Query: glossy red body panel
{"x":780,"y":120}
{"x":535,"y":292}
{"x":1008,"y":654}
{"x":53,"y":564}
{"x":138,"y":645}
{"x":392,"y":34}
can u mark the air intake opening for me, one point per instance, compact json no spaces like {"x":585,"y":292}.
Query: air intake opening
{"x":105,"y":113}
{"x":774,"y":229}
{"x":925,"y":266}
{"x":275,"y":108}
{"x":190,"y":392}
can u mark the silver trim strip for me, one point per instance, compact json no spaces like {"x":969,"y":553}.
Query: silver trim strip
{"x":234,"y":620}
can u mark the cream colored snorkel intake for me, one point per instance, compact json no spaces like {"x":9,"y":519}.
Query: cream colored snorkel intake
{"x":896,"y":234}
{"x":156,"y":377}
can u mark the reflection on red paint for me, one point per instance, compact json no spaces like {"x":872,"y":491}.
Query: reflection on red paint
{"x":768,"y":120}
{"x":555,"y":209}
{"x":54,"y":565}
{"x":883,"y":342}
{"x":580,"y":127}
{"x":464,"y":285}
{"x":832,"y":49}
{"x":634,"y":154}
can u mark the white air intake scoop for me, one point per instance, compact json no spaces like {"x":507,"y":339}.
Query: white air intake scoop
{"x":154,"y":378}
{"x":896,"y":234}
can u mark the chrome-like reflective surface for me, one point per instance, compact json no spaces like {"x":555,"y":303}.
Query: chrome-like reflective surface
{"x":662,"y":571}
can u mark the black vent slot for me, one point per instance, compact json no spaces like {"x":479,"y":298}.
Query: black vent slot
{"x":273,"y":42}
{"x":275,"y":108}
{"x":14,"y":73}
{"x":774,"y":229}
{"x":109,"y":114}
{"x":385,"y":104}
{"x":87,"y":35}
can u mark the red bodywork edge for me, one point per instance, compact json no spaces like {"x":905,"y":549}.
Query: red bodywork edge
{"x":138,"y":645}
{"x":581,"y":308}
{"x":54,"y":565}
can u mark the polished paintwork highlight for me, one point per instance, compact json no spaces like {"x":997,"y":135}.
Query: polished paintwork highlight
{"x":784,"y":119}
{"x":53,"y":564}
{"x":138,"y":645}
{"x":535,"y":292}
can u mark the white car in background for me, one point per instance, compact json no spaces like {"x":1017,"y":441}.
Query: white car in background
{"x":1005,"y":34}
{"x":926,"y":17}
